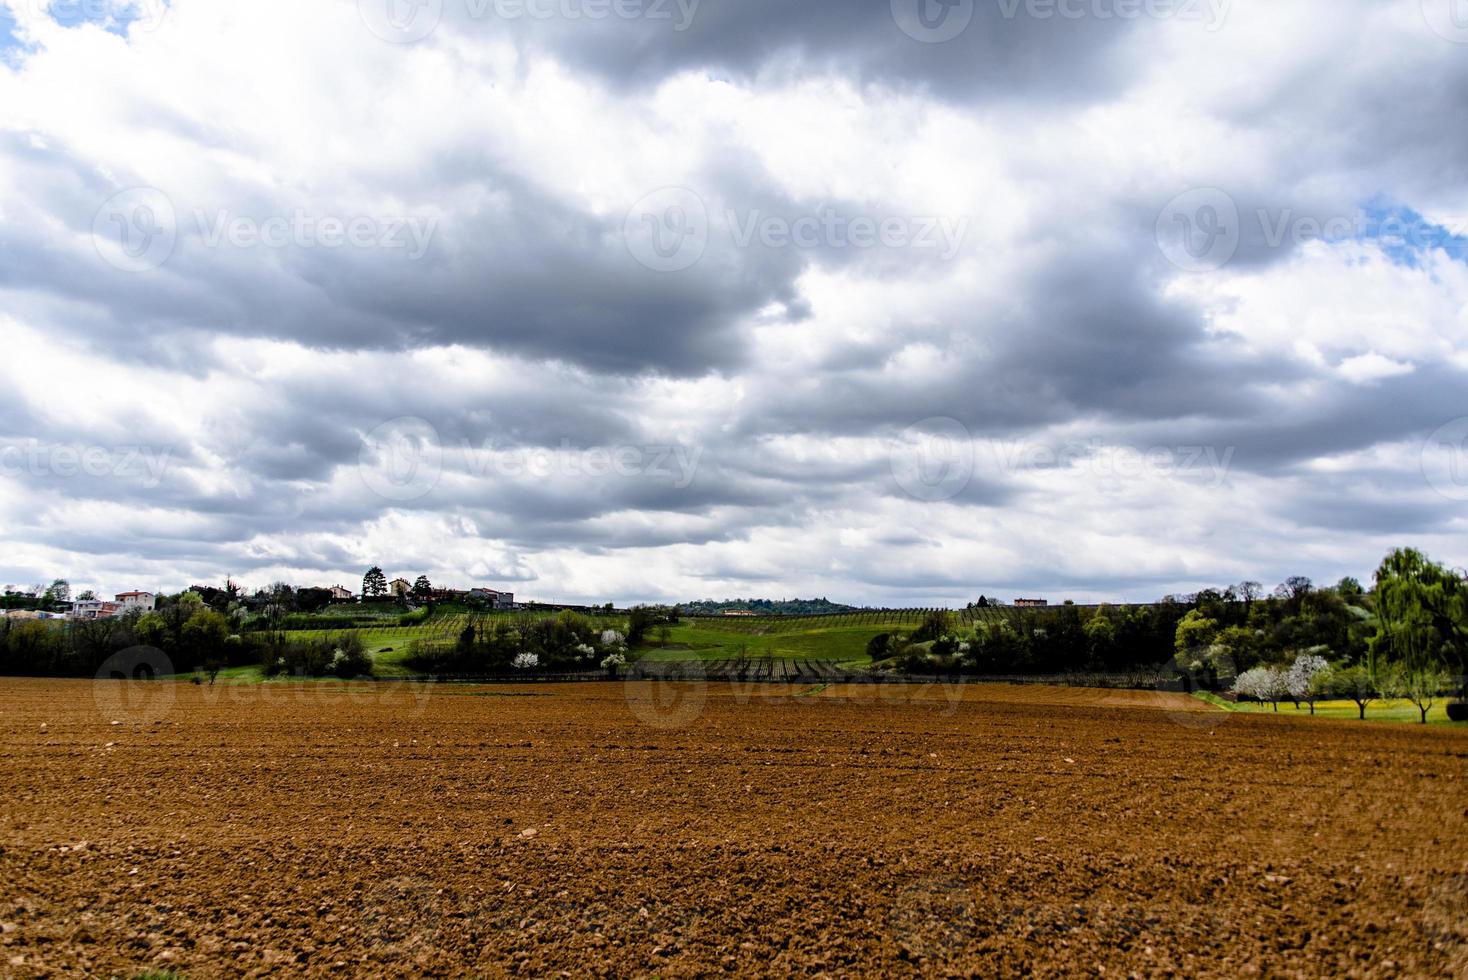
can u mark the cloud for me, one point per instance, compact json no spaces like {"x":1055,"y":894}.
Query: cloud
{"x":666,"y":298}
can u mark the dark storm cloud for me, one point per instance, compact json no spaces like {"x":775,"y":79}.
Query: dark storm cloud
{"x":511,"y":269}
{"x":996,"y":55}
{"x":1352,"y":506}
{"x":1085,"y":335}
{"x":1278,"y":434}
{"x":1385,"y":121}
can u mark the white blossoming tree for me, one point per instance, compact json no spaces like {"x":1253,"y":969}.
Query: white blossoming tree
{"x":1263,"y":684}
{"x":526,"y":661}
{"x":1302,"y":676}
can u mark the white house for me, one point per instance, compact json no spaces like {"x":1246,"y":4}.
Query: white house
{"x":94,"y":609}
{"x":141,"y":601}
{"x":496,"y":599}
{"x":340,"y":594}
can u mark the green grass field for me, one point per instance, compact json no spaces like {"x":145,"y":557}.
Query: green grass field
{"x":387,"y":646}
{"x":1395,"y":711}
{"x":704,"y":641}
{"x":836,"y":638}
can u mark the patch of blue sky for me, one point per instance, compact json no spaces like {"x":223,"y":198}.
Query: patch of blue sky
{"x":11,"y":46}
{"x":1405,"y":236}
{"x":115,"y":16}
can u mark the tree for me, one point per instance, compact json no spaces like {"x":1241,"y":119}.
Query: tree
{"x":1263,"y":684}
{"x":1422,"y":615}
{"x":205,"y":632}
{"x":374,"y":583}
{"x":1195,"y":633}
{"x":997,"y":648}
{"x":1100,"y":638}
{"x":639,"y":618}
{"x":1302,"y":678}
{"x":1354,"y":683}
{"x":151,"y":630}
{"x":308,"y":600}
{"x":422,"y":588}
{"x":877,"y":647}
{"x":87,"y":596}
{"x":936,"y":623}
{"x":1294,"y":588}
{"x":1240,"y":645}
{"x":1421,"y":684}
{"x":57,"y":591}
{"x":279,"y":599}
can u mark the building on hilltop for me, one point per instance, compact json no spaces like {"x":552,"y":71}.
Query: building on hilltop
{"x":140,"y":601}
{"x":1032,"y":603}
{"x":495,"y":598}
{"x":94,"y":609}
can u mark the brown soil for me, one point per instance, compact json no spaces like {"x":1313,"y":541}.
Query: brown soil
{"x":640,"y":830}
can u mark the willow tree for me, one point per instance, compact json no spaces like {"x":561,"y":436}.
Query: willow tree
{"x":1422,"y":618}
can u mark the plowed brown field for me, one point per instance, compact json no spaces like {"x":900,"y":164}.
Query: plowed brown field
{"x":612,"y":830}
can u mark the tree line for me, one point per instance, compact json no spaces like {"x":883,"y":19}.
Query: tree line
{"x":1405,"y":637}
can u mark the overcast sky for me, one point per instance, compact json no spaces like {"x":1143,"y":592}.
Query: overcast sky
{"x":890,"y":301}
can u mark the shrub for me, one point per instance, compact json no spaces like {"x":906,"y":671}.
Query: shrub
{"x":414,"y":618}
{"x":342,"y":655}
{"x":879,"y":646}
{"x":936,"y":622}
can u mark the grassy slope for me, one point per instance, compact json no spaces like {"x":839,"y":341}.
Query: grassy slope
{"x":846,"y":644}
{"x":394,"y":640}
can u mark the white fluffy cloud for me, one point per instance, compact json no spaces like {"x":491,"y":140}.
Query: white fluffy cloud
{"x":339,"y":233}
